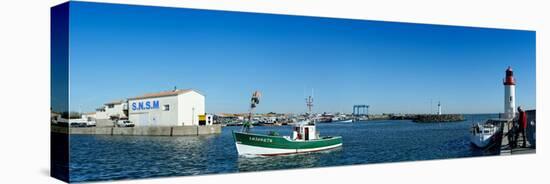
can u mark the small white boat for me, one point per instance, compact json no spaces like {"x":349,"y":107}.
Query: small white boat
{"x":483,"y":135}
{"x":346,"y":121}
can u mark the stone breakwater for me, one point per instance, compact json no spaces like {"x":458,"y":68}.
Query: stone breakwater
{"x":430,"y":118}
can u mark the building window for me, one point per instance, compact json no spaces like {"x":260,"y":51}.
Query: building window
{"x":166,"y":107}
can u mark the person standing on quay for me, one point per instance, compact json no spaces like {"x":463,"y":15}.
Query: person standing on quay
{"x":522,"y":121}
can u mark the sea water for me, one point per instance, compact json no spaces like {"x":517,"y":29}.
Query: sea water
{"x":105,"y":157}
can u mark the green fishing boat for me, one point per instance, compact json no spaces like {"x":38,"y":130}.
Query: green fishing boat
{"x":305,"y":138}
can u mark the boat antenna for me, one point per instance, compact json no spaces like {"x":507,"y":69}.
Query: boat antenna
{"x":309,"y":102}
{"x":255,"y":100}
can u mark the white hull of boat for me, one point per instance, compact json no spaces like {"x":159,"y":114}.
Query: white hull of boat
{"x":245,"y":150}
{"x":483,"y":135}
{"x":481,"y":140}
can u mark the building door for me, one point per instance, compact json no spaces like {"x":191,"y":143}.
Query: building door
{"x":143,"y":119}
{"x":154,"y":119}
{"x":306,"y":132}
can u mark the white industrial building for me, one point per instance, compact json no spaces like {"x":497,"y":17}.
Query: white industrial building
{"x":112,"y":110}
{"x":168,"y":108}
{"x":89,"y":116}
{"x":105,"y":116}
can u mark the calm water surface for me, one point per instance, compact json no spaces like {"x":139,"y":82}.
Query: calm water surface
{"x":125,"y":157}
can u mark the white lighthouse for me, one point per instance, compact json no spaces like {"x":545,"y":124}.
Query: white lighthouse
{"x":509,"y":95}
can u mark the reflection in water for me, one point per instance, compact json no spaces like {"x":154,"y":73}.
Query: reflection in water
{"x":120,"y":157}
{"x":305,"y":160}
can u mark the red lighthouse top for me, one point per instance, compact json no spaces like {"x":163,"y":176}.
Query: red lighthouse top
{"x":509,"y":80}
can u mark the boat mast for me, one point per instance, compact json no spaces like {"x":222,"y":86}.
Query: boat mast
{"x":309,"y":103}
{"x":253,"y":102}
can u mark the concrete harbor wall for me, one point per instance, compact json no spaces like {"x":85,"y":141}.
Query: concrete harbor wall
{"x":143,"y":131}
{"x":104,"y":123}
{"x":59,"y":129}
{"x":201,"y":130}
{"x":187,"y":130}
{"x":91,"y":130}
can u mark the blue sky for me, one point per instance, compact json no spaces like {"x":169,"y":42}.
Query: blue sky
{"x":119,"y":51}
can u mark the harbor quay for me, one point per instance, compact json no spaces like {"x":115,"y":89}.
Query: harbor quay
{"x":505,"y":145}
{"x":141,"y":131}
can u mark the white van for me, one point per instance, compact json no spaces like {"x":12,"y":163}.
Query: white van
{"x":124,"y":123}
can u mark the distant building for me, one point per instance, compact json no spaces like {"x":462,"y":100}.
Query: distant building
{"x":89,"y":116}
{"x":168,"y":108}
{"x":113,"y":110}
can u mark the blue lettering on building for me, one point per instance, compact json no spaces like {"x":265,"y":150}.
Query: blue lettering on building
{"x":145,"y":105}
{"x":140,"y":106}
{"x":156,"y":104}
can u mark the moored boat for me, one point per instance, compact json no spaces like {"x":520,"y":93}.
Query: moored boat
{"x":346,"y":121}
{"x":305,"y":138}
{"x":486,"y":134}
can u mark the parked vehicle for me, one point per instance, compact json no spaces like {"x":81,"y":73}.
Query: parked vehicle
{"x":59,"y":121}
{"x":124,"y":123}
{"x":78,"y":122}
{"x":90,"y":124}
